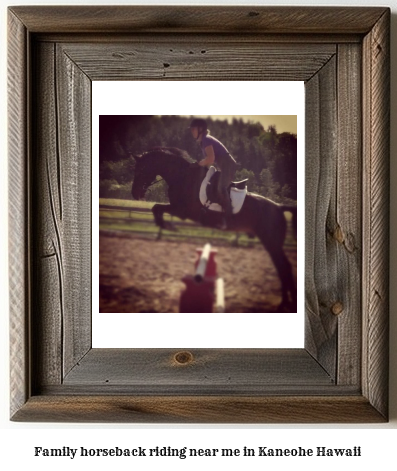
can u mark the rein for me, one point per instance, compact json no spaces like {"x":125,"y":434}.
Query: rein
{"x":153,"y":183}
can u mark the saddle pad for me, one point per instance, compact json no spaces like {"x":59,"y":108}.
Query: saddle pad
{"x":237,"y":196}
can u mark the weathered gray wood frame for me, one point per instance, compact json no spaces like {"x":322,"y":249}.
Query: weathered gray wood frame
{"x":342,"y":54}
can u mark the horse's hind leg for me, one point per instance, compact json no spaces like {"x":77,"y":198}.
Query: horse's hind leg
{"x":284,"y":270}
{"x":288,"y":289}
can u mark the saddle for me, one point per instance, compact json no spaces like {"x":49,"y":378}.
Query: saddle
{"x":209,"y":192}
{"x":212,"y":188}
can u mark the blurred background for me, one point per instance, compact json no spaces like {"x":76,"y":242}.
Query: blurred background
{"x":266,"y":155}
{"x":137,"y":275}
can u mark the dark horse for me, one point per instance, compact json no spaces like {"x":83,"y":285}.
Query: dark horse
{"x":258,"y":216}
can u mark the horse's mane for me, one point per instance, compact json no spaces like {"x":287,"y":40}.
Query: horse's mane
{"x":173,"y":152}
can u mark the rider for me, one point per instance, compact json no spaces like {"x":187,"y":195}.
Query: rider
{"x":215,"y":153}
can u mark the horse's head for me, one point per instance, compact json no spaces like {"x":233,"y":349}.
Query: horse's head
{"x":168,"y":162}
{"x":145,"y":174}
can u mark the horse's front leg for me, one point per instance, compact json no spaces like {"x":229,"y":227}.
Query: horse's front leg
{"x":158,"y":211}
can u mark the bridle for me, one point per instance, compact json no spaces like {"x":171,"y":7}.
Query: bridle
{"x":145,"y":187}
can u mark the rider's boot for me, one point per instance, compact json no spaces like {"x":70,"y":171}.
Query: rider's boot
{"x":227,"y":212}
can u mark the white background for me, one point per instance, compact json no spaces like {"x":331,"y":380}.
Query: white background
{"x":252,"y":330}
{"x":378,"y":442}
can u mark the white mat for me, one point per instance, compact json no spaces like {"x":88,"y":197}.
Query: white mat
{"x":237,"y":196}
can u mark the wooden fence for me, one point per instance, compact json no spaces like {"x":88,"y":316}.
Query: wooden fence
{"x":137,"y":220}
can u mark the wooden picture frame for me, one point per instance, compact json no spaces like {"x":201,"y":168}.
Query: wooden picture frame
{"x":342,"y":54}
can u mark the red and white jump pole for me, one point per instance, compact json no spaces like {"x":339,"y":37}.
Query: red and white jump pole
{"x":220,"y":295}
{"x":202,"y":293}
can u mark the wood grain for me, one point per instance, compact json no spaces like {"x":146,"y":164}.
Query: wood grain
{"x":63,"y":226}
{"x":223,"y":59}
{"x":199,"y":409}
{"x":19,"y":256}
{"x":376,"y":90}
{"x":47,"y":201}
{"x":74,"y":129}
{"x":198,"y":19}
{"x":341,"y":376}
{"x":195,"y":39}
{"x":321,"y":277}
{"x":226,"y":369}
{"x":346,"y":228}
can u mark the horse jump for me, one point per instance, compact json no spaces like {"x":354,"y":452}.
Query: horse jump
{"x":204,"y":290}
{"x":258,"y":216}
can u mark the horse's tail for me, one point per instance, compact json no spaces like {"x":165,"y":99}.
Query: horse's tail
{"x":291,"y":209}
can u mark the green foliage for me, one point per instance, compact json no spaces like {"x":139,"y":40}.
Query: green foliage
{"x":252,"y":185}
{"x":269,"y":187}
{"x":121,"y":170}
{"x":113,"y":189}
{"x":267,"y":158}
{"x":244,"y":173}
{"x":158,"y":192}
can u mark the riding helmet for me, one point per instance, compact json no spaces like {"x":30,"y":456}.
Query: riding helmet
{"x":199,"y":123}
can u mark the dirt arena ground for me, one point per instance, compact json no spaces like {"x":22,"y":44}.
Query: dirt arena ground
{"x":138,"y":275}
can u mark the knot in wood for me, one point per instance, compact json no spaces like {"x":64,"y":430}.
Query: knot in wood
{"x":338,"y":235}
{"x":183,"y":358}
{"x":337,"y":308}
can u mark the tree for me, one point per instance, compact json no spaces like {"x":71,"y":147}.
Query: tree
{"x":267,"y":158}
{"x":269,"y":187}
{"x":286,"y":164}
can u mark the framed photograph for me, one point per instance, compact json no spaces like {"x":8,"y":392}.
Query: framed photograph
{"x":340,"y":373}
{"x":149,"y":271}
